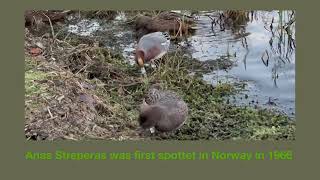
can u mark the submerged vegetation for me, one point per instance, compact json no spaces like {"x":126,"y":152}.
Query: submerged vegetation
{"x":78,"y":90}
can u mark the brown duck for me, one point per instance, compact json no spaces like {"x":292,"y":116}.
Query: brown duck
{"x":172,"y":22}
{"x":163,"y":111}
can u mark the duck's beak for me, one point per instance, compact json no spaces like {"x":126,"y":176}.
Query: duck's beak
{"x":140,"y":62}
{"x":141,"y":65}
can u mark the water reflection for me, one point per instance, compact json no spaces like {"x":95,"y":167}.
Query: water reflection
{"x":263,"y":42}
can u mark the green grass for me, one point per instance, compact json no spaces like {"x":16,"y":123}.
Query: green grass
{"x":210,"y":117}
{"x":32,"y":79}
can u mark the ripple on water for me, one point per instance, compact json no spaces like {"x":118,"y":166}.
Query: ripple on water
{"x":260,"y":78}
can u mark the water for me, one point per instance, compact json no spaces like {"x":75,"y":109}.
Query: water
{"x":261,"y":55}
{"x":114,"y":33}
{"x":269,"y":85}
{"x":84,"y":27}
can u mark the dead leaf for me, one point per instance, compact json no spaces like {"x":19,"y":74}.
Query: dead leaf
{"x":35,"y":51}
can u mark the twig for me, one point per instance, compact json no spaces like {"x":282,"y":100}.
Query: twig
{"x":60,"y":41}
{"x":131,"y":84}
{"x":52,"y":31}
{"x":65,"y":38}
{"x":55,"y":36}
{"x":49,"y":112}
{"x":83,"y":68}
{"x":51,"y":118}
{"x":79,"y":50}
{"x":180,"y":29}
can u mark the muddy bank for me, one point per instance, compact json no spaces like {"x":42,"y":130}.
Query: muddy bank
{"x":77,"y":88}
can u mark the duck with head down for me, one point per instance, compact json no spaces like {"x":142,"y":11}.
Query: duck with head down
{"x":163,"y":111}
{"x":151,"y":47}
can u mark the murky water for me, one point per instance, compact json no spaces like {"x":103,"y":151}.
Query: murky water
{"x":262,"y":55}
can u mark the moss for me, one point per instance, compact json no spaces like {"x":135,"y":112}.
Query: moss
{"x":224,"y":89}
{"x":32,"y":85}
{"x":30,"y":63}
{"x":35,"y":85}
